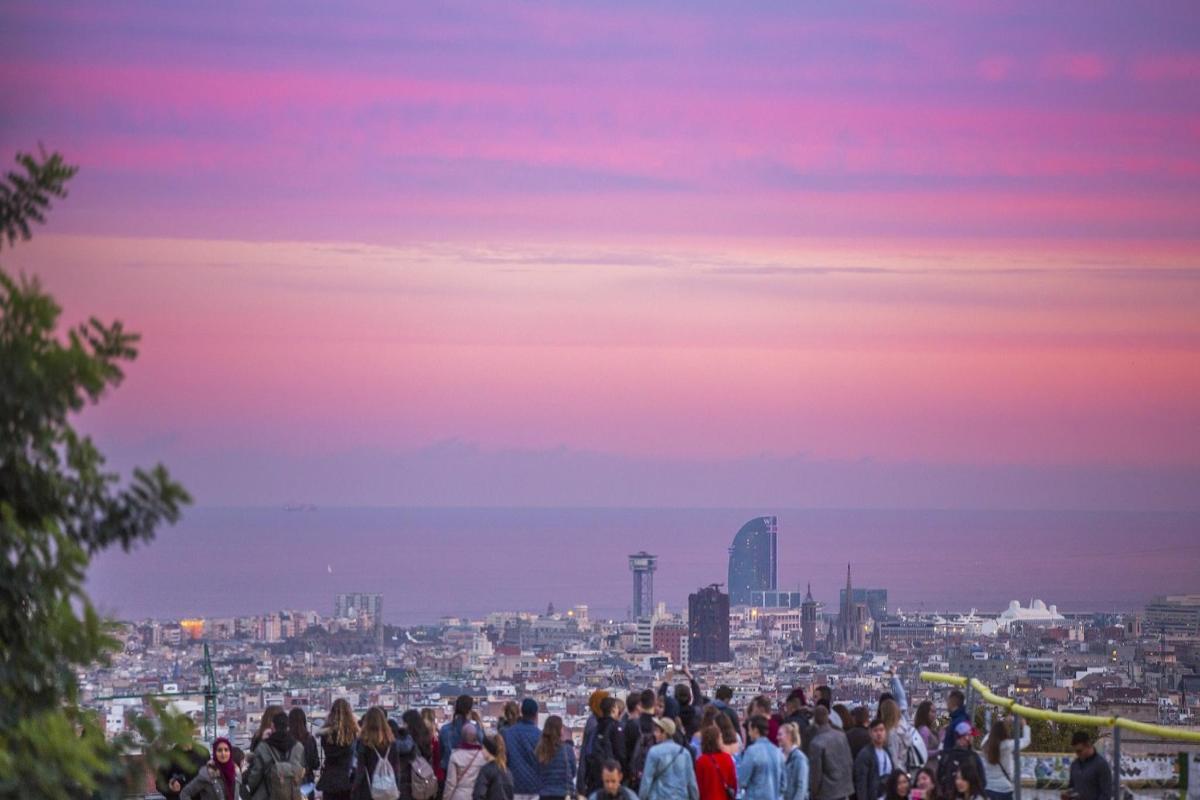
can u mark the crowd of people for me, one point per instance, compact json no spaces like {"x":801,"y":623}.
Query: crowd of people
{"x":672,"y":743}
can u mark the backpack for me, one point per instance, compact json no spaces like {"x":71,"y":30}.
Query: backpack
{"x":424,"y":780}
{"x":637,"y":762}
{"x":383,"y":779}
{"x":601,"y":751}
{"x":916,"y":754}
{"x":283,"y":778}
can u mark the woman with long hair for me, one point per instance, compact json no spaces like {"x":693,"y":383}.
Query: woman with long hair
{"x":495,"y":781}
{"x":264,"y":725}
{"x":298,"y":727}
{"x":716,"y":775}
{"x":968,"y":783}
{"x":555,"y":760}
{"x":925,"y":722}
{"x":435,"y":744}
{"x":709,"y":717}
{"x":376,"y":741}
{"x":337,"y":742}
{"x":731,"y":741}
{"x":925,"y":785}
{"x":998,"y":759}
{"x":509,"y":716}
{"x":898,"y":786}
{"x":417,"y":729}
{"x":901,"y":737}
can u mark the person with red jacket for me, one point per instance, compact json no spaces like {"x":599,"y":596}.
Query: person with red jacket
{"x":716,"y":774}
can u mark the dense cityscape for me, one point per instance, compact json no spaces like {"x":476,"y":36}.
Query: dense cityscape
{"x":745,"y":635}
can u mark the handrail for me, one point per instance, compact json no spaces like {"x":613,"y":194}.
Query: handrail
{"x":1161,"y":731}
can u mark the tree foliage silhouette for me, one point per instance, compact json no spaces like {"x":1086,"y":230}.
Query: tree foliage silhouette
{"x":58,"y":507}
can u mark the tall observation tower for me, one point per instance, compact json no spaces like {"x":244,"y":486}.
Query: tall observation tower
{"x":642,"y":565}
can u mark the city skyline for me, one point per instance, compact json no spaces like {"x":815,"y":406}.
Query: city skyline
{"x":882,"y":256}
{"x":417,"y":548}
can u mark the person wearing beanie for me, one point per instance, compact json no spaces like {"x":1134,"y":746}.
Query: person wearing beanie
{"x":465,"y":763}
{"x":520,"y":741}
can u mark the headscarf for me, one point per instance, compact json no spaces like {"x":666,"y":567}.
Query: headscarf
{"x":228,"y":770}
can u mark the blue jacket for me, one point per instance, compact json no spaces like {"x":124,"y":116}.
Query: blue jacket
{"x":760,"y":772}
{"x":795,"y":775}
{"x":669,"y":774}
{"x":557,"y":779}
{"x":448,"y":739}
{"x":519,"y":740}
{"x":949,"y":738}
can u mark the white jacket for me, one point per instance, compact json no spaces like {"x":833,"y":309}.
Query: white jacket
{"x":461,"y":773}
{"x":998,"y":774}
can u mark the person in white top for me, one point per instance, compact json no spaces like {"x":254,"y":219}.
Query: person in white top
{"x":998,"y":759}
{"x":465,"y":763}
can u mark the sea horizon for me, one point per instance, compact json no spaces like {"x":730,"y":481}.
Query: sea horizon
{"x":434,"y":561}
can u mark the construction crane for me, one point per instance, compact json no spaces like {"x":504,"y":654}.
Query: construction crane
{"x":209,"y":692}
{"x":210,"y":698}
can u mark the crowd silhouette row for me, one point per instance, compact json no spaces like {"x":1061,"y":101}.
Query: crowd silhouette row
{"x":669,"y":744}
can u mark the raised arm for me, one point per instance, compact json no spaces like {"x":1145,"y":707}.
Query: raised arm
{"x":899,"y":693}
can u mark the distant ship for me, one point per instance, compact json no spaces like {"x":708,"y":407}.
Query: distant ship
{"x":299,"y":507}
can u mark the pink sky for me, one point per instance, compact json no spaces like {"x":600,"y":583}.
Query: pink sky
{"x":951,"y":248}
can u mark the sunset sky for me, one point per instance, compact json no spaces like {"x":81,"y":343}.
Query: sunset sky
{"x":941,"y":254}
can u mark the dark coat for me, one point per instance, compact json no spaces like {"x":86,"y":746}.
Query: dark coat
{"x":399,"y":755}
{"x":185,"y":765}
{"x":335,"y":774}
{"x":868,"y":784}
{"x":267,"y":752}
{"x":493,"y":783}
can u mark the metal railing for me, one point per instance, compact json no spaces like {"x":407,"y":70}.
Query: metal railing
{"x":1082,"y":720}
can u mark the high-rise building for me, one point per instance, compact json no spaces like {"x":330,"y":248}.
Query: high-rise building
{"x":1175,"y":615}
{"x":876,"y":600}
{"x":753,"y":560}
{"x":672,"y":638}
{"x":642,"y":565}
{"x":708,"y":625}
{"x":352,"y":605}
{"x":349,"y":605}
{"x":808,"y":621}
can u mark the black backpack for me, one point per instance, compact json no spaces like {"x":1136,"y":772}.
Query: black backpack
{"x":601,"y":752}
{"x":637,"y":761}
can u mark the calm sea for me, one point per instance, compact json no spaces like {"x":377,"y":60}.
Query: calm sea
{"x":434,"y":561}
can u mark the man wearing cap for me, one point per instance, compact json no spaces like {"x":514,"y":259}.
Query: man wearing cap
{"x":951,"y":760}
{"x":668,"y":774}
{"x":520,"y":740}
